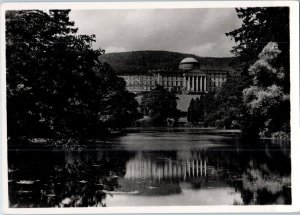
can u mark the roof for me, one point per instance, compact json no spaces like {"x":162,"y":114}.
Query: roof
{"x":184,"y":100}
{"x":195,"y":72}
{"x":189,"y":60}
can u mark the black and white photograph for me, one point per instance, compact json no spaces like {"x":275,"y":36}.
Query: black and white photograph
{"x":139,"y":107}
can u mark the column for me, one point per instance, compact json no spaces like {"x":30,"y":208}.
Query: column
{"x":165,"y":171}
{"x":153,"y":171}
{"x":158,"y":174}
{"x":145,"y":169}
{"x":201,"y":84}
{"x":184,"y":171}
{"x":204,"y":83}
{"x":170,"y":167}
{"x":149,"y":169}
{"x":197,"y":84}
{"x":193,"y":164}
{"x":193,"y":84}
{"x":184,"y":82}
{"x":189,"y":168}
{"x":174,"y":171}
{"x":201,"y":166}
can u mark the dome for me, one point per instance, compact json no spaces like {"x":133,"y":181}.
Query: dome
{"x":189,"y":60}
{"x":188,"y":63}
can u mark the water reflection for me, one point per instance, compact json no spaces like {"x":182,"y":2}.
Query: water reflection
{"x":63,"y":179}
{"x":145,"y":169}
{"x":164,"y":168}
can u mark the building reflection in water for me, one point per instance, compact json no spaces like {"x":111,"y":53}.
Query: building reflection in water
{"x":139,"y":167}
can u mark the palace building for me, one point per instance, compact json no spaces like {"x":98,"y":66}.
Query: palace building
{"x":188,"y":79}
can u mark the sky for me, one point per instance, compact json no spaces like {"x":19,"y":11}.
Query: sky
{"x":193,"y":31}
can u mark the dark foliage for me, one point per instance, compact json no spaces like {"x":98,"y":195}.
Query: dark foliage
{"x":260,"y":26}
{"x":160,"y":104}
{"x":226,"y":108}
{"x":191,"y":111}
{"x":196,"y":110}
{"x":56,"y":86}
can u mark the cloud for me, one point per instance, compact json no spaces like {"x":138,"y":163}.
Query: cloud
{"x":203,"y":50}
{"x":111,"y":49}
{"x":199,"y":31}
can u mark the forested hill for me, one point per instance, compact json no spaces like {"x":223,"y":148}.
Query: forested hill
{"x":142,"y":61}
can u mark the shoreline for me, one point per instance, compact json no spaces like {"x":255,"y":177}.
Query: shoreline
{"x":47,"y":143}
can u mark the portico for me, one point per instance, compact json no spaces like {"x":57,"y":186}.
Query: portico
{"x":195,"y":81}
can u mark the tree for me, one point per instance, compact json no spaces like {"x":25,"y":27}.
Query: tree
{"x":160,"y":104}
{"x":191,"y":111}
{"x":196,"y":110}
{"x":225,"y":107}
{"x":56,"y":86}
{"x":199,"y":109}
{"x":266,"y":100}
{"x":260,"y":25}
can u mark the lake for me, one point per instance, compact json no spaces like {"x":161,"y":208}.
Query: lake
{"x":153,"y":169}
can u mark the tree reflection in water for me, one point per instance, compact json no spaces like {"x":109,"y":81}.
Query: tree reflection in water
{"x":261,"y":186}
{"x":255,"y":175}
{"x":82,"y":179}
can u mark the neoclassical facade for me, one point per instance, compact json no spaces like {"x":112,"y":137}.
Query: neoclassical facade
{"x":189,"y":79}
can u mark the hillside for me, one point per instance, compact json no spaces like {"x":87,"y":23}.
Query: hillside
{"x":142,"y":61}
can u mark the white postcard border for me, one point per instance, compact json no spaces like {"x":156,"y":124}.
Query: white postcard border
{"x":295,"y":128}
